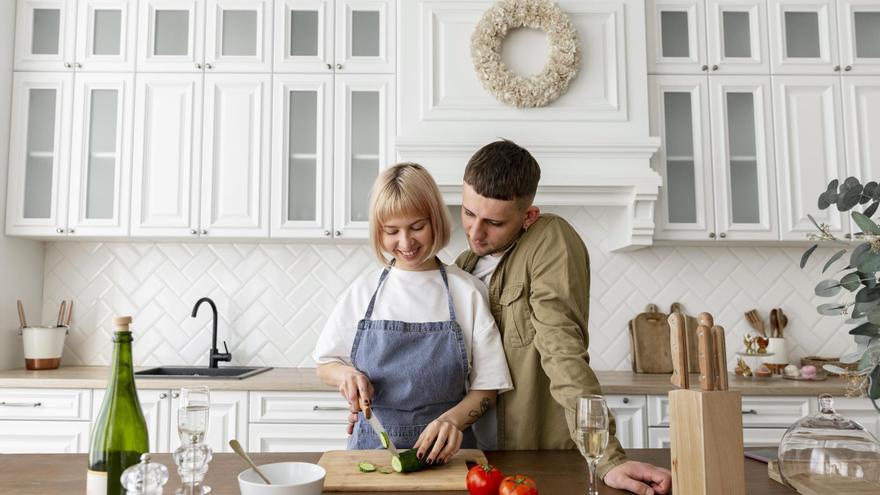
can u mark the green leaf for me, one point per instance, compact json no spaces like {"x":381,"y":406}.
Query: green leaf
{"x":870,"y":263}
{"x":868,"y":294}
{"x":858,"y":254}
{"x":834,"y":309}
{"x":874,"y":316}
{"x":852,"y":357}
{"x":874,"y":389}
{"x":869,"y":279}
{"x":869,"y":211}
{"x":866,"y":224}
{"x":824,"y":202}
{"x":807,"y":254}
{"x":837,"y":370}
{"x":827,"y":288}
{"x":834,"y":258}
{"x":861,"y":310}
{"x":851,"y":182}
{"x":814,"y":222}
{"x":850,"y":281}
{"x":870,"y":189}
{"x":866,"y":329}
{"x":850,"y":198}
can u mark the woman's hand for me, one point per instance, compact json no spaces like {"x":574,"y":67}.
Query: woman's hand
{"x":356,"y":388}
{"x":446,"y":438}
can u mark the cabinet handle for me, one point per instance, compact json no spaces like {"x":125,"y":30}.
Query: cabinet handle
{"x":78,"y":65}
{"x":175,"y":395}
{"x":209,"y":66}
{"x":204,"y":232}
{"x":338,"y":233}
{"x":750,"y":411}
{"x":329,"y":66}
{"x":711,"y":235}
{"x":338,"y":66}
{"x":722,"y":235}
{"x":163,"y":395}
{"x":70,"y":231}
{"x":626,"y":400}
{"x":67,"y":65}
{"x":193,"y":231}
{"x":848,"y":236}
{"x":329,"y":408}
{"x":848,"y":68}
{"x":704,"y":68}
{"x":198,"y":66}
{"x":714,"y":67}
{"x":59,"y":230}
{"x":326,"y":233}
{"x":836,"y":68}
{"x":21,"y":404}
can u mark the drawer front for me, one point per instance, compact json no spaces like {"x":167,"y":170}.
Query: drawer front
{"x":296,"y":437}
{"x":658,"y":438}
{"x":44,"y":437}
{"x":757,"y":411}
{"x":298,"y":407}
{"x":45,"y":404}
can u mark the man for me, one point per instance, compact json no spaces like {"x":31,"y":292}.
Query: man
{"x":537,"y":270}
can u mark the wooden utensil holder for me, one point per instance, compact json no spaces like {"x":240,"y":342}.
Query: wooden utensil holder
{"x":706,"y":442}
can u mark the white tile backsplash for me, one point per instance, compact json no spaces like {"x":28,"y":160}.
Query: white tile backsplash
{"x":273,"y":298}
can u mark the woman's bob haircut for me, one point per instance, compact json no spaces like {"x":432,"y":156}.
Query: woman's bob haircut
{"x":407,"y":190}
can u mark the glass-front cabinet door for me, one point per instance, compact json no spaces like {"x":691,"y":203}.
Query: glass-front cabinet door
{"x":803,"y":36}
{"x":365,"y":36}
{"x":238,"y":36}
{"x":809,"y":151}
{"x":304,"y":36}
{"x":39,"y":148}
{"x":235,"y":157}
{"x":105,"y":35}
{"x":676,"y":31}
{"x":363,"y":146}
{"x":737,"y":37}
{"x":742,"y":158}
{"x":171,"y":35}
{"x":302,"y":154}
{"x":100,"y":164}
{"x":860,"y":36}
{"x":861,"y":113}
{"x":44,"y":35}
{"x":680,"y":116}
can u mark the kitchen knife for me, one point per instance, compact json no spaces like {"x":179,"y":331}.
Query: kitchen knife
{"x":678,"y":343}
{"x":706,"y":345}
{"x":720,"y":358}
{"x":706,"y":320}
{"x":377,"y":427}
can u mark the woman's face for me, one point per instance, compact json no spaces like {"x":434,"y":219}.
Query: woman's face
{"x":409,"y":240}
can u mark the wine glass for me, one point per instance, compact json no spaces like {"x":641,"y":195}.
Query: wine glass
{"x":192,"y":415}
{"x":592,"y":424}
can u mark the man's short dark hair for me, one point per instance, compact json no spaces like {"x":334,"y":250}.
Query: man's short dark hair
{"x":503,"y":170}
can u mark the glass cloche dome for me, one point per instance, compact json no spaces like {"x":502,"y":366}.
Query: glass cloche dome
{"x":825,"y":449}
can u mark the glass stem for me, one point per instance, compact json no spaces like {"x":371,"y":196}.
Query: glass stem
{"x":593,"y":489}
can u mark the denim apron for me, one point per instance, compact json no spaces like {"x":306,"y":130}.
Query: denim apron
{"x":418,"y":372}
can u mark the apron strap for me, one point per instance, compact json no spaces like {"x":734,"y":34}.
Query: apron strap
{"x":385,"y":275}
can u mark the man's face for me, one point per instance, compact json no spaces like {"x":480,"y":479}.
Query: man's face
{"x":492,"y":225}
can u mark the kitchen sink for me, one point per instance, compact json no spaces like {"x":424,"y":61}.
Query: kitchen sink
{"x":225,"y":372}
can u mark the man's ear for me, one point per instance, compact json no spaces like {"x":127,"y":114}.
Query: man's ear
{"x":532,"y":214}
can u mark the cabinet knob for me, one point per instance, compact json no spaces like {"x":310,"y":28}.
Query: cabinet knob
{"x":704,"y":68}
{"x":193,"y":231}
{"x":204,"y":232}
{"x":78,"y":65}
{"x":848,"y":68}
{"x":338,"y":66}
{"x":329,"y":66}
{"x":209,"y":66}
{"x":338,"y":233}
{"x":722,"y":235}
{"x":714,"y":67}
{"x":836,"y":68}
{"x":175,"y":395}
{"x":326,"y":233}
{"x":67,"y":65}
{"x":626,"y":400}
{"x":59,"y":230}
{"x":198,"y":66}
{"x":163,"y":395}
{"x":711,"y":235}
{"x":70,"y":231}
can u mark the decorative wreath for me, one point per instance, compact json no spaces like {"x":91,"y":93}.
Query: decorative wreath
{"x":498,"y":79}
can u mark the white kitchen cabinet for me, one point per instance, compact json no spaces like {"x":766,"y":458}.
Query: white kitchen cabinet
{"x":658,"y":438}
{"x":156,"y":406}
{"x":45,"y":35}
{"x":859,"y":23}
{"x":757,"y":411}
{"x":341,"y":36}
{"x":171,"y":36}
{"x":105,"y":35}
{"x":36,"y":437}
{"x":296,"y":438}
{"x":809,"y":151}
{"x":714,"y":36}
{"x":861,"y":111}
{"x":803,"y":36}
{"x":858,"y":409}
{"x":297,"y":422}
{"x":228,"y":420}
{"x":44,"y":420}
{"x":630,"y":415}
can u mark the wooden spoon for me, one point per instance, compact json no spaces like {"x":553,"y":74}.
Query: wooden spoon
{"x":783,"y":321}
{"x":240,"y":451}
{"x":774,"y":323}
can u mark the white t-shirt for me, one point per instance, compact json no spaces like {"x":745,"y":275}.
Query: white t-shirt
{"x":421,"y":297}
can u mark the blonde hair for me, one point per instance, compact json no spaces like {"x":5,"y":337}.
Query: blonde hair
{"x":408,"y":190}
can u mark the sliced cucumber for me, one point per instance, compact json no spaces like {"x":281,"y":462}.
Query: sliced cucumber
{"x":366,"y":467}
{"x":407,"y":462}
{"x":383,"y":439}
{"x":385,"y":470}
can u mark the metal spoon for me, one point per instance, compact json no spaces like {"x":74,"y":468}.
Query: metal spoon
{"x":240,"y":451}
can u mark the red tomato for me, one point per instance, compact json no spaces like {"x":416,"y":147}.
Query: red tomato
{"x":518,"y":485}
{"x":483,"y":479}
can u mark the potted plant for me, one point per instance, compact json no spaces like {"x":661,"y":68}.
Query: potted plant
{"x":859,"y":278}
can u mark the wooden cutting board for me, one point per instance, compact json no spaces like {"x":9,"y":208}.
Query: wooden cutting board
{"x":651,"y":348}
{"x":343,"y":474}
{"x":690,"y":325}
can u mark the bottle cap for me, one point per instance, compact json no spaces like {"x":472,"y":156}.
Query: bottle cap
{"x":145,"y":478}
{"x":122,"y":321}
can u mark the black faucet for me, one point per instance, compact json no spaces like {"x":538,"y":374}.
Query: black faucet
{"x":216,"y":355}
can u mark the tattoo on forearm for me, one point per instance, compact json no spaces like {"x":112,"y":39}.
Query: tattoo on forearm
{"x":475,"y":415}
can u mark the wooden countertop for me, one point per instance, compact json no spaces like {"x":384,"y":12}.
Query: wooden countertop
{"x":555,"y":471}
{"x":305,"y":380}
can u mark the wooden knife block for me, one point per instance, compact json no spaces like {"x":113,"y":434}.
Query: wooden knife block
{"x":706,"y":442}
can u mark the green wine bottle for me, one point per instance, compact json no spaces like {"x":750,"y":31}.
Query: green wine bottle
{"x":119,"y":436}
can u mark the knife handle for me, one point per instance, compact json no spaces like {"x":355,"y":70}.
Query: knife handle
{"x":707,"y":358}
{"x":365,"y":407}
{"x":706,"y":320}
{"x":678,"y":344}
{"x":720,"y":358}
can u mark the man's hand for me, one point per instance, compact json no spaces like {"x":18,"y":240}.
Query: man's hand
{"x":639,"y":478}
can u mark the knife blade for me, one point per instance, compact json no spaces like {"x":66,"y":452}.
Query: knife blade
{"x":678,"y":343}
{"x":707,"y":358}
{"x":720,"y":358}
{"x":378,"y":428}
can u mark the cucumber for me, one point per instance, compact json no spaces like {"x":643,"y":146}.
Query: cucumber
{"x":407,"y":462}
{"x":383,"y":439}
{"x":366,"y":467}
{"x":385,"y":470}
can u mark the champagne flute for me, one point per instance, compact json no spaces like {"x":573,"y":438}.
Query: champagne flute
{"x":592,"y":424}
{"x":192,"y":414}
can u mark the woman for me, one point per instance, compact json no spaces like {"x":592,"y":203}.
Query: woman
{"x":416,"y":342}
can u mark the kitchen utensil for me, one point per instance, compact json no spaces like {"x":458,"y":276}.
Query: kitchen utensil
{"x":755,"y":321}
{"x":288,"y":478}
{"x":61,"y":313}
{"x":651,"y":351}
{"x":236,"y":447}
{"x":706,"y":319}
{"x":343,"y":474}
{"x":43,"y":347}
{"x":690,"y":326}
{"x":783,"y":321}
{"x":21,"y":319}
{"x":707,"y":358}
{"x":720,"y":358}
{"x":774,"y":323}
{"x":69,"y":313}
{"x":678,"y":344}
{"x":377,"y":426}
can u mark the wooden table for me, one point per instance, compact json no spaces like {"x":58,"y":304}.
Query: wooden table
{"x":558,"y":472}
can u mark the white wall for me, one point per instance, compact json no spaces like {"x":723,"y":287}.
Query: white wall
{"x":21,"y":261}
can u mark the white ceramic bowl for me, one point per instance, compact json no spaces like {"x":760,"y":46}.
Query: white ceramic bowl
{"x":288,"y":478}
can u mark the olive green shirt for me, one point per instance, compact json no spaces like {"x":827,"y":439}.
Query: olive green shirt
{"x":539,"y":294}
